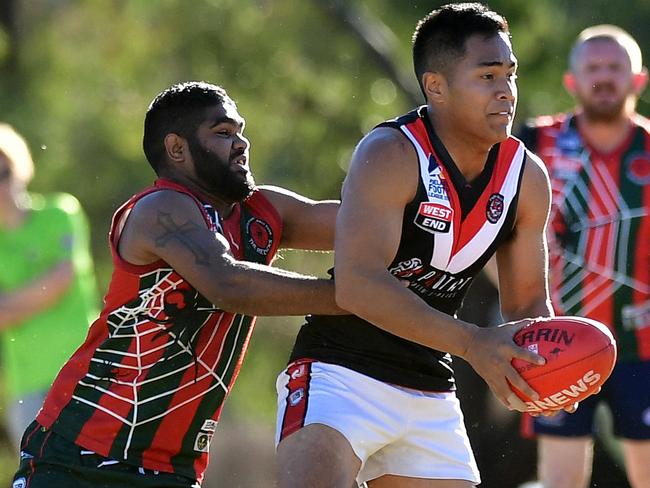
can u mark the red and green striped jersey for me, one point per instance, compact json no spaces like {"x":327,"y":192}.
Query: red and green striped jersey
{"x":599,"y":230}
{"x":148,"y":384}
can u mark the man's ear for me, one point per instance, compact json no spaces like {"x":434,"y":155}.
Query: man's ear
{"x":569,"y":82}
{"x":176,"y":147}
{"x":434,"y":85}
{"x":640,"y":81}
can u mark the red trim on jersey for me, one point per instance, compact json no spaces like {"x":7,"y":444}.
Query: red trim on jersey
{"x":454,"y":200}
{"x":419,"y":131}
{"x":526,"y":426}
{"x":476,"y":217}
{"x":465,"y":230}
{"x":29,"y":436}
{"x":47,"y":437}
{"x":32,"y":470}
{"x":297,"y":398}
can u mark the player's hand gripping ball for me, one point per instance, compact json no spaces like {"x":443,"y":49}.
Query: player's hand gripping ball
{"x":580,"y":354}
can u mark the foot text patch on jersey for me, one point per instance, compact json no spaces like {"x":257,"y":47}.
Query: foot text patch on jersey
{"x":209,"y":425}
{"x":434,"y":217}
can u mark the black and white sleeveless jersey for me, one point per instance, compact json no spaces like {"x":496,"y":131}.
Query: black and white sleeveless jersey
{"x":450,"y":230}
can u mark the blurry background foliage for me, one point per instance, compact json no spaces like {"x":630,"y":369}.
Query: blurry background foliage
{"x":77,"y":76}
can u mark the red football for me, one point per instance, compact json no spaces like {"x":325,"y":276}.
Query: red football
{"x":580,"y":354}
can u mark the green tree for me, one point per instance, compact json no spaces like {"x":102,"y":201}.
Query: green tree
{"x":310,"y":77}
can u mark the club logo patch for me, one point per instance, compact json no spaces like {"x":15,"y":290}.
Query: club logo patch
{"x":638,"y":168}
{"x":20,"y":483}
{"x":296,"y":397}
{"x":260,"y":236}
{"x":494,"y":208}
{"x":434,"y":217}
{"x":202,"y":442}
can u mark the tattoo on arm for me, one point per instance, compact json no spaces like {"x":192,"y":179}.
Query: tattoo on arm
{"x":182,"y":233}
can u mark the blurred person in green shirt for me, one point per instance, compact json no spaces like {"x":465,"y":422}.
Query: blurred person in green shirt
{"x":47,"y":286}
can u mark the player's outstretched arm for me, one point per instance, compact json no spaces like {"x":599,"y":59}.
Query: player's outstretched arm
{"x":523,"y":260}
{"x":306,"y":224}
{"x":168,"y":225}
{"x":523,"y":289}
{"x":382,"y":179}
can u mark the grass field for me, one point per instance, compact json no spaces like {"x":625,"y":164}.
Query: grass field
{"x":8,"y":459}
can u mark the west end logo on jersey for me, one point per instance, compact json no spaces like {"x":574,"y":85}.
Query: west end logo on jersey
{"x":434,"y":217}
{"x":494,"y":208}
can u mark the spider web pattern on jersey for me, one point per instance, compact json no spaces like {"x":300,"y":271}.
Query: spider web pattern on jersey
{"x":150,"y":356}
{"x":593,"y":241}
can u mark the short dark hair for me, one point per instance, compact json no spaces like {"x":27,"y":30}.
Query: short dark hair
{"x":179,"y":109}
{"x":440,"y":38}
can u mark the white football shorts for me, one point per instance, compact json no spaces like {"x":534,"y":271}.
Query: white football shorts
{"x":393,"y":430}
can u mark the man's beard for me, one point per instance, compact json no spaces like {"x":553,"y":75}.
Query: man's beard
{"x":596,"y":111}
{"x":217,"y":177}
